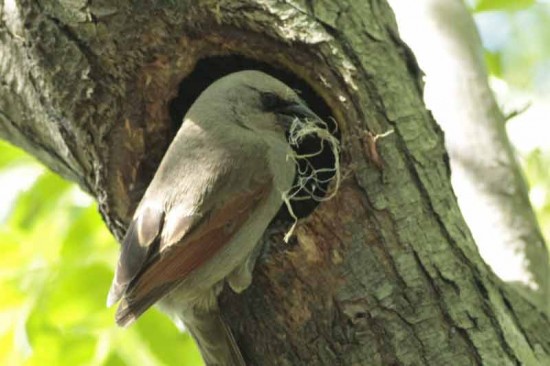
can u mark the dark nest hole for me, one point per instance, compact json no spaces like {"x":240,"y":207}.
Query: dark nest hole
{"x":210,"y":69}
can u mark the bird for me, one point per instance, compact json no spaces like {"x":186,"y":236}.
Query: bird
{"x":199,"y":223}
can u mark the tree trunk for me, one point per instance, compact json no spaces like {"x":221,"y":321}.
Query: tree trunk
{"x":488,"y":182}
{"x":384,"y":273}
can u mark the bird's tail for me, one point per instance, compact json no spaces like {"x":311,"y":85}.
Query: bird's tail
{"x":214,"y":339}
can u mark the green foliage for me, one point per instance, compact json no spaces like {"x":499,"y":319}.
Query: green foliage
{"x":494,"y":63}
{"x":536,"y":168}
{"x":485,"y":5}
{"x":55,"y":270}
{"x":516,"y":35}
{"x":12,"y":157}
{"x":517,"y":42}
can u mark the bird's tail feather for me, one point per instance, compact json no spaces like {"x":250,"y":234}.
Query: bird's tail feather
{"x":214,"y":339}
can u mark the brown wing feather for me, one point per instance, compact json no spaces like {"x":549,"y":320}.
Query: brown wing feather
{"x":140,"y":236}
{"x":199,"y":245}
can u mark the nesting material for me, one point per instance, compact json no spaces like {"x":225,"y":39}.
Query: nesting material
{"x":310,"y":182}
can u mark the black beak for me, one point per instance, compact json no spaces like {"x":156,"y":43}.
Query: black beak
{"x":296,"y":110}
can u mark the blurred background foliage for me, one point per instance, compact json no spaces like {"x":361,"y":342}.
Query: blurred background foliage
{"x":57,"y":257}
{"x":516,"y":40}
{"x":55,"y":269}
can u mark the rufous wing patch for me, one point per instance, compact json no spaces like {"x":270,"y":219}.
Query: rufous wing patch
{"x":195,"y":248}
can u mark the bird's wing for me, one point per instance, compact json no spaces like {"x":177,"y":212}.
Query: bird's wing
{"x":141,"y":239}
{"x":150,"y":271}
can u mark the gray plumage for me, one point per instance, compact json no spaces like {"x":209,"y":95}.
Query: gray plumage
{"x":198,"y":224}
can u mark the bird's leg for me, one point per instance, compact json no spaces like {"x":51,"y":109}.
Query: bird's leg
{"x":241,"y":277}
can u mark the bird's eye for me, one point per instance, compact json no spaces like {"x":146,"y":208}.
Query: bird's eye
{"x":272,"y":102}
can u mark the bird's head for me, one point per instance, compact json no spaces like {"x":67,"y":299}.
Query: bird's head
{"x":259,"y":101}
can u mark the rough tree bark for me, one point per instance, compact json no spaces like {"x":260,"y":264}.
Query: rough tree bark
{"x":385,"y":273}
{"x":487,"y":180}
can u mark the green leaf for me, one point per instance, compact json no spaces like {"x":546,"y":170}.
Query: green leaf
{"x":508,"y":5}
{"x":168,"y":345}
{"x":76,"y":297}
{"x":54,"y":347}
{"x":11,"y":155}
{"x":87,"y":240}
{"x":39,"y":201}
{"x":114,"y":360}
{"x":494,"y":63}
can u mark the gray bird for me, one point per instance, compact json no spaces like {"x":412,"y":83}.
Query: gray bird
{"x":198,"y":224}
